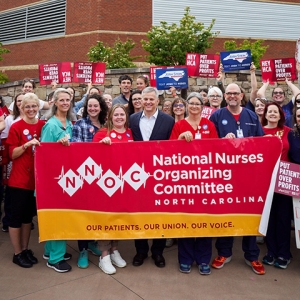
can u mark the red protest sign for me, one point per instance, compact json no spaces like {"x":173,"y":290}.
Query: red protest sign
{"x":5,"y":111}
{"x":203,"y":65}
{"x":192,"y":63}
{"x":58,"y":72}
{"x":288,"y":179}
{"x":174,"y":183}
{"x":98,"y":73}
{"x":85,"y":72}
{"x":207,"y":111}
{"x":278,"y":69}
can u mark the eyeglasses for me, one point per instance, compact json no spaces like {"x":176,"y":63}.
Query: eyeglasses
{"x":167,"y":106}
{"x":215,"y":96}
{"x":178,"y":105}
{"x":194,"y":104}
{"x":278,"y":93}
{"x":297,"y":100}
{"x":30,"y":107}
{"x":137,"y":99}
{"x":232,"y":94}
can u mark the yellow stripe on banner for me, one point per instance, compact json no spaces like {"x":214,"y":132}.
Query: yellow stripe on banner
{"x":80,"y":225}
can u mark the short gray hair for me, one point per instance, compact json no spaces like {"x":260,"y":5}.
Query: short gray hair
{"x":150,"y":89}
{"x":216,"y":90}
{"x":195,"y":94}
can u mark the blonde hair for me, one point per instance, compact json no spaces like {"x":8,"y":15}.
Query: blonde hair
{"x":109,"y":123}
{"x":30,"y":97}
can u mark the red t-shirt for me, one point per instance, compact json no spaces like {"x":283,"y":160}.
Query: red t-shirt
{"x":282,"y":133}
{"x":22,"y":174}
{"x":207,"y":129}
{"x":115,"y":136}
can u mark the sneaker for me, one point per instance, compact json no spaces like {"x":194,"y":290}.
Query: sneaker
{"x":29,"y":254}
{"x":93,"y":247}
{"x":169,"y":243}
{"x":260,"y":240}
{"x":256,"y":266}
{"x":281,"y":263}
{"x":117,"y":260}
{"x":5,"y":228}
{"x":204,"y":269}
{"x":60,"y":266}
{"x":183,"y":268}
{"x":83,"y":261}
{"x":106,"y":266}
{"x":22,"y":260}
{"x":67,"y":256}
{"x":268,"y":260}
{"x":220,"y":261}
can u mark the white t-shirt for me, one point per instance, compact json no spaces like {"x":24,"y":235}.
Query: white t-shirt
{"x":11,"y":106}
{"x":9,"y":120}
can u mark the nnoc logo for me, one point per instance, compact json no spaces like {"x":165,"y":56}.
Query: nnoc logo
{"x":109,"y":182}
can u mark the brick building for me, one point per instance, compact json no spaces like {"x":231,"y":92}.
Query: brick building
{"x":63,"y":30}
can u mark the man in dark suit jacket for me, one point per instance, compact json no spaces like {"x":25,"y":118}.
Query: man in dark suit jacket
{"x":150,"y":125}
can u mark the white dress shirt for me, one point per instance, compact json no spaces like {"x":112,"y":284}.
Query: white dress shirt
{"x":147,"y":125}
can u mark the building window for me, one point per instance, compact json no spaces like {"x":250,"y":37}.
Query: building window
{"x":34,"y":22}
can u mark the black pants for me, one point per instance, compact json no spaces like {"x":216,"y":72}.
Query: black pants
{"x":157,"y":247}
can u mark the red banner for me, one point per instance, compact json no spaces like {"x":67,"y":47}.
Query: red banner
{"x":58,"y":72}
{"x":85,"y":72}
{"x":203,"y":65}
{"x":210,"y":187}
{"x":278,"y":69}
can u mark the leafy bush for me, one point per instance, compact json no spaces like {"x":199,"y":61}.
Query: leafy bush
{"x":3,"y":78}
{"x":116,"y":57}
{"x":257,"y":49}
{"x":168,"y":44}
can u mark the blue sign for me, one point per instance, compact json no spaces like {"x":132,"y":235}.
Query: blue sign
{"x":176,"y":77}
{"x":236,"y":60}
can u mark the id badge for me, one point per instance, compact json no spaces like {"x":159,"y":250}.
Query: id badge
{"x":239,"y":133}
{"x":198,"y":136}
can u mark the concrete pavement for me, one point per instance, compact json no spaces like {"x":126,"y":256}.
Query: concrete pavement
{"x":235,"y":281}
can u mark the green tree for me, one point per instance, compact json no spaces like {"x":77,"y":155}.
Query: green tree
{"x":3,"y":77}
{"x":168,"y":44}
{"x":257,"y":49}
{"x":116,"y":57}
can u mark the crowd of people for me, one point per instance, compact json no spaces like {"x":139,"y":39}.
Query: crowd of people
{"x":135,"y":115}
